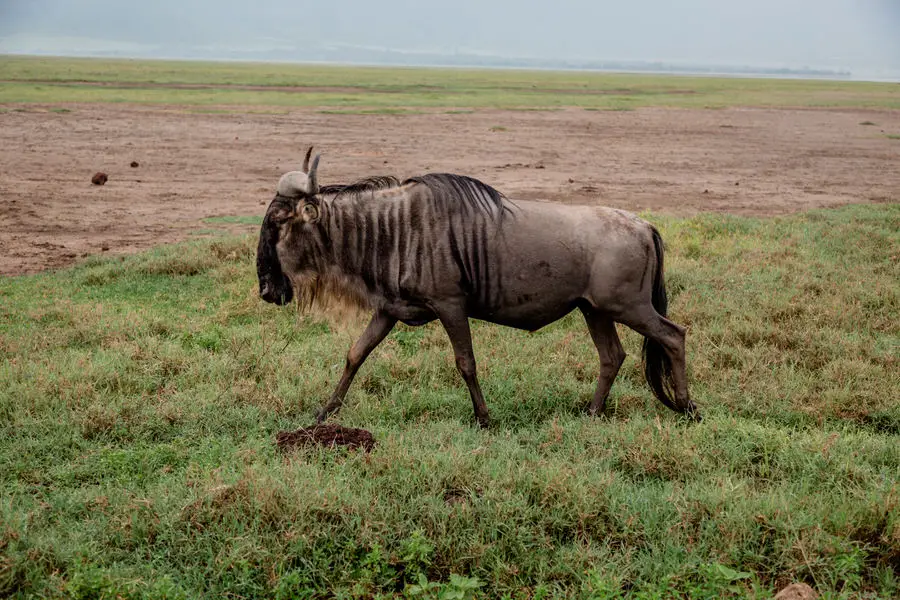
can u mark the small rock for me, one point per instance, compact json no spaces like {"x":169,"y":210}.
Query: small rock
{"x":571,"y":180}
{"x":737,"y":183}
{"x":797,"y":591}
{"x":705,"y":191}
{"x":104,"y":248}
{"x":135,"y":164}
{"x":99,"y":178}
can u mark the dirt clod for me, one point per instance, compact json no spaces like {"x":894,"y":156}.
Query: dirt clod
{"x":329,"y":435}
{"x":99,"y":178}
{"x":135,"y":164}
{"x":797,"y":591}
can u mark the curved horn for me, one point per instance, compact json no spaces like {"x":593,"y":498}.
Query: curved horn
{"x":312,"y":185}
{"x":306,"y":160}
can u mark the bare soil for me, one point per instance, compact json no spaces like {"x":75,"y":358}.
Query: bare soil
{"x":329,"y":435}
{"x":195,"y":164}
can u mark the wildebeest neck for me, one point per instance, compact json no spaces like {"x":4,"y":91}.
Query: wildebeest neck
{"x":405,"y":240}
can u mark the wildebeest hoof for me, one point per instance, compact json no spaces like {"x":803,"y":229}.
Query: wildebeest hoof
{"x":694,"y":415}
{"x":595,"y":411}
{"x":484,"y":423}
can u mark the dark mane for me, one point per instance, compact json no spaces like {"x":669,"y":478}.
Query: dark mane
{"x":450,"y":194}
{"x":369,"y":184}
{"x":468,"y":194}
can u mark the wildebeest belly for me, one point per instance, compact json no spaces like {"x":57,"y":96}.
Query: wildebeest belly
{"x":530,"y":317}
{"x":534,"y":293}
{"x":409,"y":313}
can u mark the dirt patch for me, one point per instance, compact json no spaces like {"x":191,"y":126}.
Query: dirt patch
{"x":199,"y":165}
{"x":329,"y":435}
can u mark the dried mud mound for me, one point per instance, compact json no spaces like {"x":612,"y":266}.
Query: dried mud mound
{"x":330,"y":435}
{"x":797,"y":591}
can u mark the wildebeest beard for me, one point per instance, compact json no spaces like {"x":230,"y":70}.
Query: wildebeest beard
{"x":332,"y":294}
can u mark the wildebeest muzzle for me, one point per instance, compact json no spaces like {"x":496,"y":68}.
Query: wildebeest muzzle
{"x":279,"y":293}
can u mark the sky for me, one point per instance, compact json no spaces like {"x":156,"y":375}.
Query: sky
{"x":857,"y":35}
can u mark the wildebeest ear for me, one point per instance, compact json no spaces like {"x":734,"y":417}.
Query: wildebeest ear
{"x":309,"y":212}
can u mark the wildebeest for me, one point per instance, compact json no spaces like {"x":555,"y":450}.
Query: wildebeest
{"x":450,"y":247}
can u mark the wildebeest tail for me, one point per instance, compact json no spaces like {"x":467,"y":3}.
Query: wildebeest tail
{"x":657,"y":365}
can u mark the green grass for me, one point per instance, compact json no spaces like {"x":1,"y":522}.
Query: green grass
{"x":893,"y":136}
{"x":139,"y":399}
{"x":66,"y":80}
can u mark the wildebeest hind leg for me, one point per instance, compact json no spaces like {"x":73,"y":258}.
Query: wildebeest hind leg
{"x":609,"y":349}
{"x":671,"y":337}
{"x":377,"y":329}
{"x":456,"y":323}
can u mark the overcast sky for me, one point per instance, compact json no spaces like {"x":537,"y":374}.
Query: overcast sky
{"x":853,"y":34}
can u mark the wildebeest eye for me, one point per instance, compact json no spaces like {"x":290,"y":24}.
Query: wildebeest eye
{"x":281,"y":216}
{"x":281,"y":211}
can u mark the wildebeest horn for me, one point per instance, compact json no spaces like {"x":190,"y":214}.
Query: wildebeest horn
{"x":312,"y":186}
{"x":306,"y":160}
{"x":299,"y":183}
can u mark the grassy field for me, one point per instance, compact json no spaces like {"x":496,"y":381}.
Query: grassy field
{"x":140,"y":397}
{"x":66,"y":80}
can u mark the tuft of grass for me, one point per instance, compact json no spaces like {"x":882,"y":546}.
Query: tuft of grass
{"x":497,"y":128}
{"x":892,"y":136}
{"x":140,"y":397}
{"x":868,"y":123}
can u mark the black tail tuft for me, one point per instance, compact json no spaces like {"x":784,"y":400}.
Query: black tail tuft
{"x":657,"y":366}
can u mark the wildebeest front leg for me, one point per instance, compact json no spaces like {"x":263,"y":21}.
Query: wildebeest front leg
{"x":609,"y":349}
{"x":378,"y":329}
{"x":456,"y":323}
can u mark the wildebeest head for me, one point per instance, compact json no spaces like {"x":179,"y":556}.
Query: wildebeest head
{"x":294,"y":205}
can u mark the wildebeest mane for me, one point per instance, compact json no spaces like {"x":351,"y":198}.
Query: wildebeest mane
{"x":459,"y":192}
{"x":451,"y":193}
{"x":369,"y":184}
